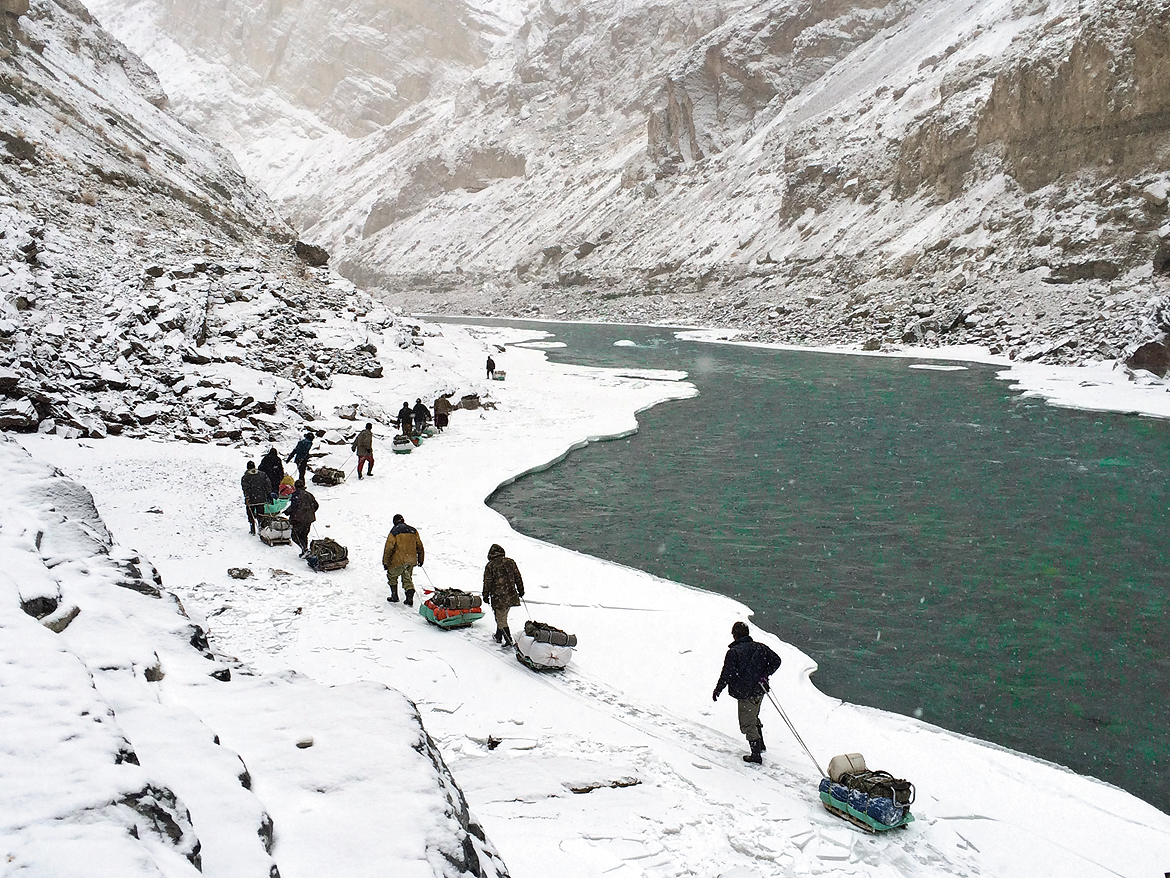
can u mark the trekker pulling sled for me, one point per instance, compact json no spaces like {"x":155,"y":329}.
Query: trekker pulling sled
{"x":875,"y":801}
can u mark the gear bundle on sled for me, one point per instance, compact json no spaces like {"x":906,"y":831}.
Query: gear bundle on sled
{"x":451,"y":608}
{"x":327,"y":554}
{"x":543,"y":647}
{"x":274,"y":530}
{"x":402,"y":444}
{"x":872,"y":800}
{"x":328,"y":476}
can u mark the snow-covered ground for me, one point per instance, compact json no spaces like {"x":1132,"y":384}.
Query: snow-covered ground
{"x":634,"y":705}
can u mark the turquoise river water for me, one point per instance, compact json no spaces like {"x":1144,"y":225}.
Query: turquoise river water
{"x":941,"y":546}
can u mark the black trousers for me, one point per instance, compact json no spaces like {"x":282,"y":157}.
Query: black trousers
{"x":300,"y":534}
{"x":254,"y":510}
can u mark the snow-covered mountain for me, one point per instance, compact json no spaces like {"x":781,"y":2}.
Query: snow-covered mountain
{"x":874,"y":172}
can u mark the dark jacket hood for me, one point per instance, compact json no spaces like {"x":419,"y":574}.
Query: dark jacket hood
{"x":496,"y":551}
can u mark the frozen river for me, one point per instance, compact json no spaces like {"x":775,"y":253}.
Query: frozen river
{"x":942,"y":547}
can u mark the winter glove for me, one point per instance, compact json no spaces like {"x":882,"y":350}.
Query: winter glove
{"x":520,"y":591}
{"x":715,"y":695}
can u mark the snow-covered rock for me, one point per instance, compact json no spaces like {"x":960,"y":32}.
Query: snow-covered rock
{"x":131,"y":743}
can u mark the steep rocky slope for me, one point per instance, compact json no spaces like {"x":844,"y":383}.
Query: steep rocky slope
{"x":131,"y":246}
{"x":813,"y":170}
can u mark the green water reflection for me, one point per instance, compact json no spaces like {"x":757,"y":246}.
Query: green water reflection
{"x":940,"y":546}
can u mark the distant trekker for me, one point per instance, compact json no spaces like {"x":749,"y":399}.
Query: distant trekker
{"x":405,"y":419}
{"x":442,"y":413}
{"x":302,"y":512}
{"x":421,"y":415}
{"x":300,"y":454}
{"x":256,"y":493}
{"x":402,"y":552}
{"x":503,"y":587}
{"x":746,"y":670}
{"x":491,"y":368}
{"x":363,"y":447}
{"x":271,"y":466}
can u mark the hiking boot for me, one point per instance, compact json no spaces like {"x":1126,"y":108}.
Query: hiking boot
{"x":409,"y":598}
{"x":507,"y":637}
{"x":754,"y":757}
{"x":359,"y":477}
{"x":252,"y":530}
{"x":393,"y":594}
{"x":498,"y":636}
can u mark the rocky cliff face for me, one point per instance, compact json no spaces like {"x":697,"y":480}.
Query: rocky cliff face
{"x":867,"y":171}
{"x":128,"y":243}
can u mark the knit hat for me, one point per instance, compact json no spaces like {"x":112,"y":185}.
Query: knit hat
{"x":398,"y":519}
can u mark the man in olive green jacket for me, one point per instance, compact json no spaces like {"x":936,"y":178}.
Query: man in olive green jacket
{"x":404,"y":550}
{"x":503,"y":587}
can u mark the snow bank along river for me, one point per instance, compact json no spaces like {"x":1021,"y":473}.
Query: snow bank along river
{"x":940,"y":546}
{"x":636,"y":705}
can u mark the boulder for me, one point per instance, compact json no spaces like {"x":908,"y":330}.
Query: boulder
{"x":1153,"y":356}
{"x":8,"y":379}
{"x":18,"y":414}
{"x":311,"y":254}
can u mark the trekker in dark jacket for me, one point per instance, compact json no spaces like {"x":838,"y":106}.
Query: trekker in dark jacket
{"x":405,"y":419}
{"x":746,"y":670}
{"x":401,"y":554}
{"x":421,"y":415}
{"x":301,"y":454}
{"x":302,"y":512}
{"x":491,"y":368}
{"x":363,"y":447}
{"x":256,"y":492}
{"x":503,"y":587}
{"x":271,"y":466}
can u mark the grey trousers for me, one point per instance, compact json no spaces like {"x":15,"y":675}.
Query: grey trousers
{"x":749,"y":718}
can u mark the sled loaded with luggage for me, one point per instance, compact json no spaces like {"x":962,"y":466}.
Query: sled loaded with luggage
{"x":875,"y":801}
{"x":451,"y":608}
{"x":402,"y":444}
{"x":328,"y":476}
{"x":327,"y":554}
{"x":272,"y":525}
{"x":544,"y":648}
